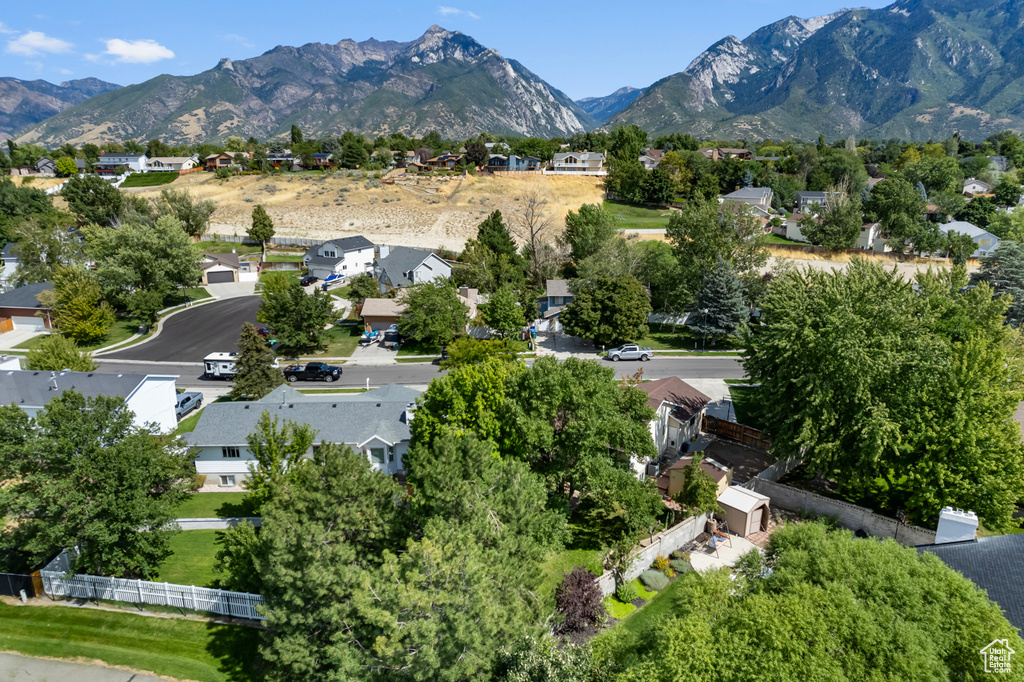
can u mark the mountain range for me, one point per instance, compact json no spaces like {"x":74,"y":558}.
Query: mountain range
{"x":23,"y":103}
{"x":443,"y":81}
{"x":916,"y":69}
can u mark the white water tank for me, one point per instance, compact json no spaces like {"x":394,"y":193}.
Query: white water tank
{"x":956,"y":525}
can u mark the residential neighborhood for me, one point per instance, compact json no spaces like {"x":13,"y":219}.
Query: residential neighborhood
{"x":602,"y":403}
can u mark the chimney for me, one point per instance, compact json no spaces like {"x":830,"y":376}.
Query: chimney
{"x":410,"y":412}
{"x":956,"y":525}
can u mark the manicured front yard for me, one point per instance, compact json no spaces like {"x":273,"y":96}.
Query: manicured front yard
{"x":342,"y":340}
{"x":213,"y":505}
{"x":149,"y":179}
{"x":628,"y":216}
{"x":226,"y":247}
{"x":668,"y":337}
{"x":121,"y":330}
{"x":745,"y":404}
{"x":177,"y":648}
{"x":192,"y":561}
{"x":188,"y":424}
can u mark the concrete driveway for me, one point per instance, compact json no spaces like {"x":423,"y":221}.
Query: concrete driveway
{"x":231,"y":289}
{"x":15,"y":668}
{"x":13,"y":338}
{"x":194,"y":333}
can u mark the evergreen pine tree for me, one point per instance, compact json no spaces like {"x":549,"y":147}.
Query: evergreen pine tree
{"x":255,"y":375}
{"x":722,"y":297}
{"x":748,"y":179}
{"x":495,"y":236}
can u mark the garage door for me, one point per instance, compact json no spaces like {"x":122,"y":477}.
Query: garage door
{"x":379,"y":325}
{"x":219,"y":277}
{"x":33,"y":323}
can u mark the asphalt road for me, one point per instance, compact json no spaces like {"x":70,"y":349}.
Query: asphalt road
{"x":15,"y":668}
{"x":191,"y":335}
{"x":420,"y":374}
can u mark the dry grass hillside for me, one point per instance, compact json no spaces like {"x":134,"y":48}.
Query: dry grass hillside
{"x":426,"y":212}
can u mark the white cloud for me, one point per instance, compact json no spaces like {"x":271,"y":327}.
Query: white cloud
{"x":4,"y":29}
{"x":66,"y":72}
{"x":34,"y":42}
{"x":137,"y":51}
{"x":445,"y":11}
{"x":241,"y":40}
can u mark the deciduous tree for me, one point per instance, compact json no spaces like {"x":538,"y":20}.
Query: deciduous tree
{"x":587,"y":230}
{"x":607,"y":311}
{"x":277,"y":448}
{"x":298,"y":319}
{"x":503,"y":313}
{"x":56,"y":352}
{"x":434,"y":314}
{"x":262,"y":228}
{"x":76,"y":307}
{"x":194,"y":215}
{"x":93,"y":199}
{"x":578,"y":600}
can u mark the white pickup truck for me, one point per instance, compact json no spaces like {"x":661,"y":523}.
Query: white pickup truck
{"x":630,"y":351}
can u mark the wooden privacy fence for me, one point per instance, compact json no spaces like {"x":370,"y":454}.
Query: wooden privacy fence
{"x":57,"y":583}
{"x":737,"y":432}
{"x":6,"y":325}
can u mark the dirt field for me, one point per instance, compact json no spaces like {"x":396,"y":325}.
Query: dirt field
{"x":422,"y":212}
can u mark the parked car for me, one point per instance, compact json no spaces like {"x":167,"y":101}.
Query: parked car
{"x":188,"y":401}
{"x":265,"y":332}
{"x":630,"y":351}
{"x":309,"y":279}
{"x":314,"y":371}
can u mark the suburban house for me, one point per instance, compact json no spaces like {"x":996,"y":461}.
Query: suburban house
{"x":151,"y":397}
{"x":973,"y":187}
{"x":344,"y":257}
{"x":46,"y":166}
{"x":109,"y":162}
{"x":281,"y":157}
{"x":986,"y":241}
{"x":403,"y":266}
{"x":671,"y":480}
{"x":578,"y":163}
{"x":218,"y":161}
{"x":22,"y":307}
{"x":446,"y":161}
{"x":757,"y":197}
{"x":226,"y":267}
{"x":374,"y":423}
{"x":557,"y":296}
{"x":804,"y":200}
{"x":791,"y":228}
{"x":513,"y":163}
{"x":323,"y":161}
{"x":10,"y":264}
{"x":172,"y":163}
{"x":680,"y":410}
{"x":719,"y":153}
{"x":870,"y":238}
{"x":651,"y":158}
{"x":380,"y":313}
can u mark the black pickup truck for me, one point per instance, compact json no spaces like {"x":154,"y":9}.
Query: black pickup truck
{"x":314,"y":371}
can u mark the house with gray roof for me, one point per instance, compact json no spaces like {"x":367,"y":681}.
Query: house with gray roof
{"x":150,"y":397}
{"x":344,"y":257}
{"x":403,"y":266}
{"x":374,"y":423}
{"x":578,"y":163}
{"x":985,"y":240}
{"x":21,"y":305}
{"x":805,"y":200}
{"x":758,"y":197}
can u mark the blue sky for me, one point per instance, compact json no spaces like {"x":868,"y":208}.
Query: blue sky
{"x":585,"y":50}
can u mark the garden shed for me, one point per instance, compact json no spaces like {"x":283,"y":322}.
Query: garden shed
{"x":745,"y":511}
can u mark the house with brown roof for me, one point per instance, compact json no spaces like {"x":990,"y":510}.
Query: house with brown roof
{"x":719,"y":153}
{"x":671,"y":480}
{"x":219,"y":267}
{"x":679,"y":409}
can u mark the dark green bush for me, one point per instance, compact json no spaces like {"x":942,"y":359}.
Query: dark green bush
{"x":681,"y":565}
{"x":654,"y":580}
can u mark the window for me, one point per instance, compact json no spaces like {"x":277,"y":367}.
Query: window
{"x":227,"y":480}
{"x":376,"y":455}
{"x":984,"y":242}
{"x":329,"y":254}
{"x":391,"y":453}
{"x":230,"y":452}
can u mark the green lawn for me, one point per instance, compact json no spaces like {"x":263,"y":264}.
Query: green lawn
{"x":560,"y":563}
{"x":188,"y":424}
{"x":178,"y":648}
{"x":193,"y":558}
{"x":121,"y":330}
{"x":149,"y":179}
{"x":776,"y":239}
{"x":411,"y":347}
{"x":342,"y":340}
{"x":213,"y":505}
{"x":654,"y":609}
{"x":407,"y":360}
{"x":226,"y":247}
{"x":628,"y":216}
{"x":284,"y":258}
{"x":746,"y":406}
{"x":182,"y":296}
{"x":667,"y":337}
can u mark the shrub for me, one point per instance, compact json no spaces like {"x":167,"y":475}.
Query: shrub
{"x":223,"y":173}
{"x":198,"y":481}
{"x":681,"y":566}
{"x":578,"y":600}
{"x":655,"y":580}
{"x":662,"y":564}
{"x":627,"y":592}
{"x":372,"y":183}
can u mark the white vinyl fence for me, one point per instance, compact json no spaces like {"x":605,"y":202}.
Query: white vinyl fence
{"x":57,"y":583}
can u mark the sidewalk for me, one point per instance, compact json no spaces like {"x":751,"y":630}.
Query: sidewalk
{"x":18,"y":668}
